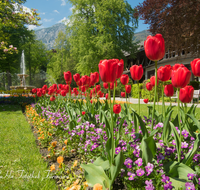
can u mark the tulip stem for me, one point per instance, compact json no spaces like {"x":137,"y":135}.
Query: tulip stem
{"x":126,"y":96}
{"x":111,"y":127}
{"x":154,"y":96}
{"x":138,"y":97}
{"x":179,"y":123}
{"x":163,"y":103}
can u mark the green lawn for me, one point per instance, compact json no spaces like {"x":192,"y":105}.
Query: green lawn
{"x":144,"y":109}
{"x":21,"y":164}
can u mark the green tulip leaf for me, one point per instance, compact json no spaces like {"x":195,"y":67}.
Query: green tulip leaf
{"x":103,"y":162}
{"x":178,"y":183}
{"x":95,"y":174}
{"x":166,"y":128}
{"x":176,"y":136}
{"x":120,"y":127}
{"x":115,"y":169}
{"x":194,"y":120}
{"x":148,"y":149}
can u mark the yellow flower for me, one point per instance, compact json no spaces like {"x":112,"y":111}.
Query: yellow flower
{"x":97,"y":187}
{"x":75,"y":163}
{"x":54,"y":143}
{"x":66,"y":142}
{"x":85,"y":184}
{"x":52,"y":167}
{"x":60,"y":159}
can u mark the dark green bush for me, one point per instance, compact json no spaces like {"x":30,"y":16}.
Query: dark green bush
{"x":195,"y":84}
{"x":144,"y":93}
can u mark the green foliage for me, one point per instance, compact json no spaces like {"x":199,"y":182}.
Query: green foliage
{"x":145,"y":94}
{"x":195,"y":84}
{"x":100,"y":30}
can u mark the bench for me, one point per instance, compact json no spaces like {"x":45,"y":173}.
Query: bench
{"x":195,"y":96}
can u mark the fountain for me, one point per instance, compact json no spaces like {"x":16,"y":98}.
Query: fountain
{"x":22,"y":76}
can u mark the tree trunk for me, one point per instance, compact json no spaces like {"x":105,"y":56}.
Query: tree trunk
{"x":29,"y":65}
{"x":9,"y":79}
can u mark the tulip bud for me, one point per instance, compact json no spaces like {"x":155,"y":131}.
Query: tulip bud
{"x":117,"y":108}
{"x":128,"y":89}
{"x":124,"y":79}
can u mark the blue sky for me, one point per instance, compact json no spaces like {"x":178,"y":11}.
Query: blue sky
{"x":54,"y":11}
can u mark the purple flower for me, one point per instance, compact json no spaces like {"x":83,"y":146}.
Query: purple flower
{"x":149,"y":185}
{"x":117,"y":150}
{"x":165,"y":179}
{"x":184,"y":145}
{"x":131,"y":175}
{"x":185,"y":133}
{"x":149,"y":168}
{"x":139,"y":161}
{"x":140,"y":172}
{"x":128,"y":163}
{"x":189,"y":186}
{"x":168,"y":186}
{"x":168,"y":151}
{"x":190,"y":176}
{"x":199,"y":181}
{"x":99,"y":130}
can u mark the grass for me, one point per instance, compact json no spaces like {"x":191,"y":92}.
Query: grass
{"x":144,"y":109}
{"x":21,"y":164}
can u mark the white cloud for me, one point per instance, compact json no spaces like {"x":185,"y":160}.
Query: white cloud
{"x":64,"y":20}
{"x":47,"y":20}
{"x":71,"y":8}
{"x":42,"y":13}
{"x":55,"y":11}
{"x":31,"y":27}
{"x":63,"y":3}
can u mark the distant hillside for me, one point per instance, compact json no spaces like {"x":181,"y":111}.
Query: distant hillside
{"x":48,"y":35}
{"x":141,"y":36}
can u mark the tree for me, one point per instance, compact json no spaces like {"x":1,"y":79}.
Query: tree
{"x":100,"y":30}
{"x":61,"y":60}
{"x":177,"y":20}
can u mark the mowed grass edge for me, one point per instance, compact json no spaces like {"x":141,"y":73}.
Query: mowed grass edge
{"x":21,"y":164}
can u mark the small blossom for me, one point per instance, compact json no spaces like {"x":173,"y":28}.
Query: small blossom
{"x":190,"y":176}
{"x":140,"y":172}
{"x":189,"y":186}
{"x":131,"y":175}
{"x":117,"y":150}
{"x":139,"y":161}
{"x":128,"y":163}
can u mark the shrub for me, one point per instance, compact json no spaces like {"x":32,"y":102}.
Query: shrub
{"x":195,"y":84}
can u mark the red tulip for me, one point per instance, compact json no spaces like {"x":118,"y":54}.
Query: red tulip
{"x":120,"y":68}
{"x":186,"y":94}
{"x":100,"y":94}
{"x":108,"y":70}
{"x":92,"y":78}
{"x":169,"y":90}
{"x":164,"y":73}
{"x":112,"y":85}
{"x":136,"y":72}
{"x":76,"y":77}
{"x":60,"y":86}
{"x":52,"y":98}
{"x":123,"y":94}
{"x":83,"y":89}
{"x":44,"y":87}
{"x":34,"y":90}
{"x":180,"y":76}
{"x":43,"y":92}
{"x":54,"y":86}
{"x":97,"y":77}
{"x":195,"y":65}
{"x":98,"y":87}
{"x":146,"y":101}
{"x":63,"y":92}
{"x":106,"y":96}
{"x":39,"y":93}
{"x":128,"y":89}
{"x":154,"y":47}
{"x":152,"y":81}
{"x":149,"y":86}
{"x":50,"y":91}
{"x":105,"y":85}
{"x":79,"y":83}
{"x":83,"y":80}
{"x":68,"y":77}
{"x":124,"y":79}
{"x":117,"y":108}
{"x":83,"y":112}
